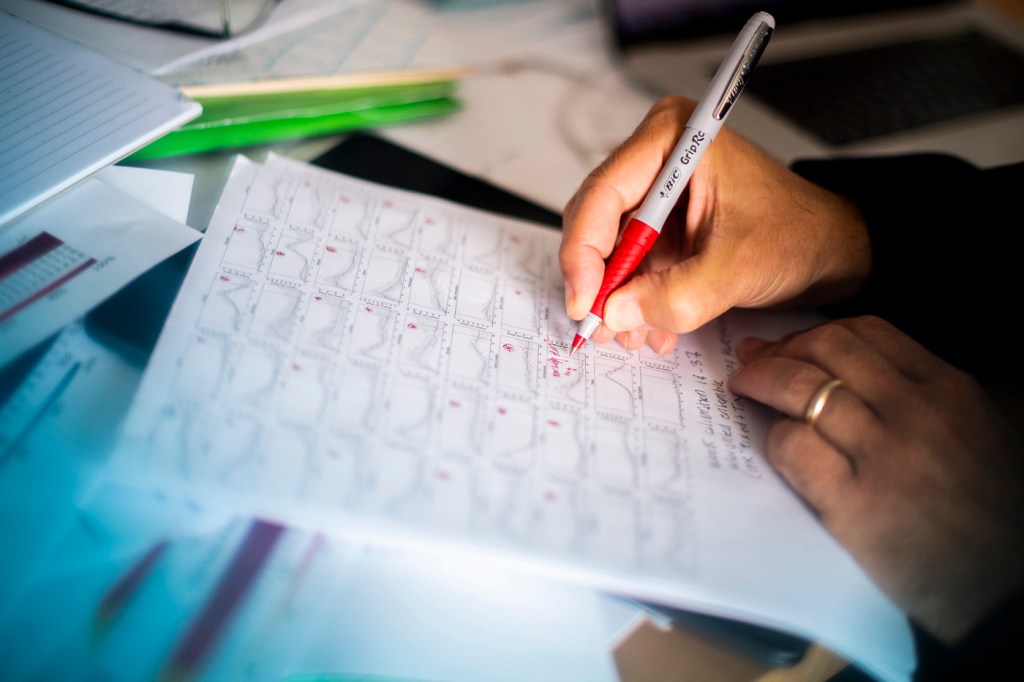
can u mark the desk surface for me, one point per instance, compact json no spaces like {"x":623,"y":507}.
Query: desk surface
{"x":506,"y":135}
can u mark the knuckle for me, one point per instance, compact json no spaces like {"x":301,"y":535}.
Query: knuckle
{"x":668,"y":112}
{"x":674,"y":106}
{"x":824,"y":336}
{"x":870,"y":326}
{"x":807,"y":379}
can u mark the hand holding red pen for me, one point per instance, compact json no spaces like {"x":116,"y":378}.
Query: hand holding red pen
{"x":747,"y":233}
{"x":703,"y":125}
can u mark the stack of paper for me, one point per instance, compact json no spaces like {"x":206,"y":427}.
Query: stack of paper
{"x":396,"y":367}
{"x":74,"y":251}
{"x":67,"y":113}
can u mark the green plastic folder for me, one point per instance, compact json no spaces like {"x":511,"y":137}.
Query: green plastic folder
{"x":240,"y":121}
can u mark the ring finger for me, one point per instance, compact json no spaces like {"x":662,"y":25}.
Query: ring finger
{"x":788,"y":385}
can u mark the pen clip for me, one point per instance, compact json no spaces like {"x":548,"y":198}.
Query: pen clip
{"x":755,"y":48}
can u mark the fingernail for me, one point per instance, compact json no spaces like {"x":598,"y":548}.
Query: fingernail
{"x":658,"y":341}
{"x":623,"y":314}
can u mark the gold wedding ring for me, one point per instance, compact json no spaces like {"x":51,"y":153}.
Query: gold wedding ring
{"x":818,"y":400}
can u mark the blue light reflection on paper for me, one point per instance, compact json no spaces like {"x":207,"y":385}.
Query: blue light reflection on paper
{"x":318,"y":605}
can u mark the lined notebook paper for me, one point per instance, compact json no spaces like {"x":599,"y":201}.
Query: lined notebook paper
{"x":67,"y":111}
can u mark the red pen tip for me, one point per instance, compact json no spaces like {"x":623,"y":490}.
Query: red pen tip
{"x":577,"y":343}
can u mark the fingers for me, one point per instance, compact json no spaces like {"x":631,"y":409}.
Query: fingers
{"x":880,"y":369}
{"x":590,"y":228}
{"x":906,"y":465}
{"x":679,"y":299}
{"x":912,"y":359}
{"x":748,"y":233}
{"x":593,"y":215}
{"x":810,"y":465}
{"x":661,"y":342}
{"x":866,"y":353}
{"x":850,"y":428}
{"x":846,"y":423}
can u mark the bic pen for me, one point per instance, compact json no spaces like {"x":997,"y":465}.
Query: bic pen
{"x":705,"y":122}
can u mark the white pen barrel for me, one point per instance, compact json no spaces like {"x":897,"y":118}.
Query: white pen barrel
{"x":673,"y":178}
{"x":722,"y":83}
{"x":706,"y":120}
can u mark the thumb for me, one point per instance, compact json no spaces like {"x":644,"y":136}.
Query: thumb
{"x":678,"y":299}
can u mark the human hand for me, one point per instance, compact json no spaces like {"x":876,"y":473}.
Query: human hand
{"x":747,"y":232}
{"x":909,"y":465}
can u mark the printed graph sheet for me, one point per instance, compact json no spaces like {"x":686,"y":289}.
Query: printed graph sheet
{"x":351,"y":354}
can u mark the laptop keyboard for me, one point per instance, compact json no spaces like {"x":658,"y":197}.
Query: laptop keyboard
{"x":854,"y":96}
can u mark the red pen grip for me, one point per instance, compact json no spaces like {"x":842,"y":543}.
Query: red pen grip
{"x":636,"y":241}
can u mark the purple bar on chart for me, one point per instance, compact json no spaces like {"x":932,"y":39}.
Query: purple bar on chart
{"x":36,"y":268}
{"x":234,"y":584}
{"x":115,"y":600}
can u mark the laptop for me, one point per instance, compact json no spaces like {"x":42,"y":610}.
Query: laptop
{"x":844,"y":77}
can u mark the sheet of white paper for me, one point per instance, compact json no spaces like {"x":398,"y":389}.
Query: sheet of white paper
{"x":147,"y":48}
{"x":69,"y":111}
{"x":56,"y":430}
{"x":62,"y":259}
{"x":293,"y":29}
{"x":169,"y":192}
{"x":141,"y":47}
{"x":533,"y":131}
{"x":546,"y":106}
{"x":58,"y":426}
{"x":304,"y":604}
{"x":347,"y":354}
{"x":346,"y":37}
